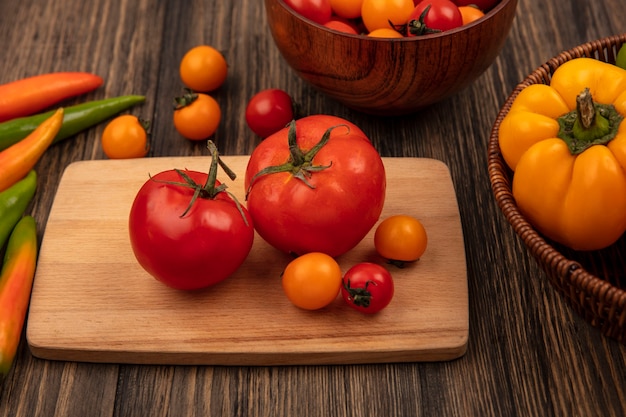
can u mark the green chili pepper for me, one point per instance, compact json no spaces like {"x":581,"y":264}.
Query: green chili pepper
{"x":77,"y":118}
{"x":16,"y":283}
{"x":13,"y":203}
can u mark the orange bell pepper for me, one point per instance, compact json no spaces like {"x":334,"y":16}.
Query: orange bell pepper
{"x":16,"y":281}
{"x":566,"y":143}
{"x":17,"y":160}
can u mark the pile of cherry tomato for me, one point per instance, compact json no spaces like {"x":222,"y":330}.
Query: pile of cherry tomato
{"x":314,"y":280}
{"x":189,"y":232}
{"x":196,"y":114}
{"x":392,"y":18}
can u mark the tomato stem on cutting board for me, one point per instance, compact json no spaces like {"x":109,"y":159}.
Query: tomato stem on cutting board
{"x":208,"y":190}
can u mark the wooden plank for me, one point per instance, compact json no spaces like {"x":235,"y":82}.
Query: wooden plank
{"x":92,"y":301}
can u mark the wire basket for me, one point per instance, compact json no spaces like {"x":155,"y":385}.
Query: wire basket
{"x":593,"y":283}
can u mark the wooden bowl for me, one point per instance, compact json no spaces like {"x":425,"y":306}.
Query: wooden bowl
{"x":593,"y":283}
{"x":388,"y":76}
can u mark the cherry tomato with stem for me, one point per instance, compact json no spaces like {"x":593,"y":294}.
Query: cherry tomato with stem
{"x":367,"y":287}
{"x":434,"y":16}
{"x":125,"y":136}
{"x":312,"y":281}
{"x":196,"y":115}
{"x":400,"y":239}
{"x":203,"y":69}
{"x":268,"y":111}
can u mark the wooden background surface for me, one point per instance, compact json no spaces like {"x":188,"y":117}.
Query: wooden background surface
{"x":528,"y":354}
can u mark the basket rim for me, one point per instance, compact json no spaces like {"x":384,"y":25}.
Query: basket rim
{"x":569,"y":270}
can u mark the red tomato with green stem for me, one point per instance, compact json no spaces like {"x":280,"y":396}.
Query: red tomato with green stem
{"x":268,"y":111}
{"x":187,"y":231}
{"x":434,"y":16}
{"x":316,"y":186}
{"x":318,"y":11}
{"x":367,"y":287}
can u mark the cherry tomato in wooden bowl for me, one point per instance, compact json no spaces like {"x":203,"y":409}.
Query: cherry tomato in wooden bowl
{"x":356,"y":70}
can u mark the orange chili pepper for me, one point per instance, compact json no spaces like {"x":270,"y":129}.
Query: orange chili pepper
{"x":18,"y":159}
{"x":33,"y":94}
{"x":16,"y":281}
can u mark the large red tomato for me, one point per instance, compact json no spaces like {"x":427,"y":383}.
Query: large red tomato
{"x":315,"y":186}
{"x":188,"y":244}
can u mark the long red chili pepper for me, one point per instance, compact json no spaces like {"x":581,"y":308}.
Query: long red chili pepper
{"x":16,"y":281}
{"x":18,"y":159}
{"x":33,"y":94}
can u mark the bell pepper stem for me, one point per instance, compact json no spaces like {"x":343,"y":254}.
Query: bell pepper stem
{"x":589,"y":124}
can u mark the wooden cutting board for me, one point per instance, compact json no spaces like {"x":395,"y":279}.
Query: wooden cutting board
{"x":92,"y":302}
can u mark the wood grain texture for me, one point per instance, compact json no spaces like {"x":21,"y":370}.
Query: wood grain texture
{"x":93,"y":302}
{"x":528,"y":354}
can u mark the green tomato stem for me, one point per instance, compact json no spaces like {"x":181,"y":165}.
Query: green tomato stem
{"x":300,"y":163}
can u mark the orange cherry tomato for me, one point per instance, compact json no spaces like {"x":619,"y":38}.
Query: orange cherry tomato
{"x":203,"y":69}
{"x":385,"y":33}
{"x":197,"y":116}
{"x":470,"y":14}
{"x":125,"y":137}
{"x":348,"y":9}
{"x":378,"y":14}
{"x":312,"y":281}
{"x":400,"y":239}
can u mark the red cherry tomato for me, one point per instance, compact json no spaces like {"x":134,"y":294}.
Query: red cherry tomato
{"x":268,"y":111}
{"x":306,"y":195}
{"x":188,"y":244}
{"x":318,"y":11}
{"x":367,"y":287}
{"x":431,"y":16}
{"x":342,"y":25}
